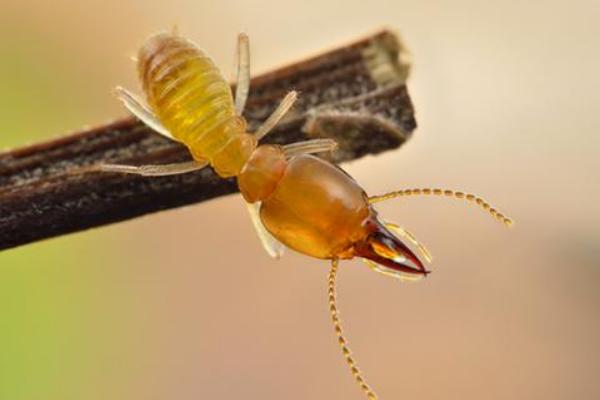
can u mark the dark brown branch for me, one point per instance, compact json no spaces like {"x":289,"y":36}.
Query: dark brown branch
{"x":354,"y":94}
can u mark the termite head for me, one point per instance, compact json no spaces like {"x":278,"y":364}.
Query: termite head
{"x":384,"y":252}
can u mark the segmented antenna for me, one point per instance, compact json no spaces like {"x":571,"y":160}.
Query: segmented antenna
{"x":448,"y":193}
{"x":335,"y":318}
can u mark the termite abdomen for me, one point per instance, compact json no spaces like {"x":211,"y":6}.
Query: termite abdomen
{"x":193,"y":101}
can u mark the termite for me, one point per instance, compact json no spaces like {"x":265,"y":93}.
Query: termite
{"x":295,"y":199}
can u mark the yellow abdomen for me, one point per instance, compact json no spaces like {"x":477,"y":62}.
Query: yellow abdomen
{"x":193,"y":101}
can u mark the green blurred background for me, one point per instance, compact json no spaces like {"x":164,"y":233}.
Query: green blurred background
{"x":185,"y":304}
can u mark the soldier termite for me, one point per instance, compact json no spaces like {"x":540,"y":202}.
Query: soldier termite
{"x":295,"y":199}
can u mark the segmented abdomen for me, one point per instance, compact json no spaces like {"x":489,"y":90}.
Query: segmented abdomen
{"x":188,"y":93}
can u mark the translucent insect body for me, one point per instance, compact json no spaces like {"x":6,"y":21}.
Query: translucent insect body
{"x":295,"y":199}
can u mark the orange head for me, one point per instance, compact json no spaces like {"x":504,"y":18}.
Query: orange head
{"x":387,"y":252}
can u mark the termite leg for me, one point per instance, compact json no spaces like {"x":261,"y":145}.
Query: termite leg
{"x":276,"y":116}
{"x":411,"y":238}
{"x":152,"y":170}
{"x":309,"y":146}
{"x":343,"y":342}
{"x":243,"y":73}
{"x":141,"y":111}
{"x":272,"y":246}
{"x":448,"y":193}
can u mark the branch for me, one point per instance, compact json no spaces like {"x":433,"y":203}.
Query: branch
{"x":354,"y":94}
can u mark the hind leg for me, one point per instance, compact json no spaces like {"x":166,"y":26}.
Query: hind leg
{"x":243,"y":73}
{"x":141,"y":111}
{"x":152,"y":170}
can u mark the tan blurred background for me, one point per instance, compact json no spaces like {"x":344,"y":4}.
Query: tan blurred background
{"x":186,"y":305}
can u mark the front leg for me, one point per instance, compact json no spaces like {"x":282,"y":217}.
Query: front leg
{"x":310,"y":146}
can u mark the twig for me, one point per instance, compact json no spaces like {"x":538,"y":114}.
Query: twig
{"x":354,"y":94}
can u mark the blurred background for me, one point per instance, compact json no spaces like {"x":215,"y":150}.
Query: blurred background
{"x":185,"y":304}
